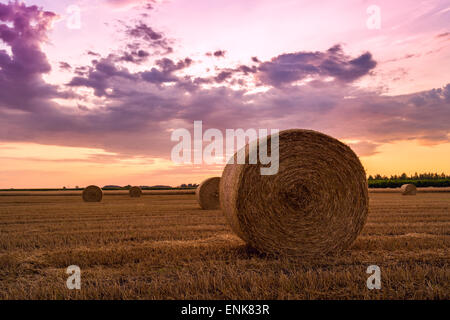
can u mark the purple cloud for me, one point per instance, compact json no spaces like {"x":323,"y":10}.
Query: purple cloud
{"x":92,"y":53}
{"x":217,"y":54}
{"x":165,"y":72}
{"x":100,"y":74}
{"x":21,"y":83}
{"x":291,"y":67}
{"x":135,"y":56}
{"x":65,"y":66}
{"x":148,"y":36}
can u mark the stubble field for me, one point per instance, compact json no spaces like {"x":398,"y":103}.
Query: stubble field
{"x":163,"y":246}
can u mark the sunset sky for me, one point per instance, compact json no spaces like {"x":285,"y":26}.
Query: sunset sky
{"x":95,"y":102}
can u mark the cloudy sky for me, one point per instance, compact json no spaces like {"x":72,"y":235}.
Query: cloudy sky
{"x":90,"y":91}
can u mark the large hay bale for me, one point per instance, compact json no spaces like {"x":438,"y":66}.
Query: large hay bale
{"x":207,"y":194}
{"x":408,"y":190}
{"x":135,"y":192}
{"x":316,"y":204}
{"x":92,"y":194}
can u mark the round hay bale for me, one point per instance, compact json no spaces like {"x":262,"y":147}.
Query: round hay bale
{"x":316,"y":204}
{"x":92,"y":194}
{"x":207,"y":194}
{"x":135,"y":192}
{"x":408,"y":190}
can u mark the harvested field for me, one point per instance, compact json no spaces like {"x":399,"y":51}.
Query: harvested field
{"x":163,"y":246}
{"x":398,"y":190}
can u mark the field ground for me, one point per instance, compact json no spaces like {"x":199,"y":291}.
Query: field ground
{"x":165,"y":247}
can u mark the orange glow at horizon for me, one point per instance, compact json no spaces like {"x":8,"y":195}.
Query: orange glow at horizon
{"x":26,"y":165}
{"x":408,"y":157}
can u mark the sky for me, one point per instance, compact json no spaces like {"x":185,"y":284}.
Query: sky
{"x":90,"y":91}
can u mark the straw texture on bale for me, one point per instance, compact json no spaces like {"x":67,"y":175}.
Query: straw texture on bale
{"x":316,"y":204}
{"x":135,"y":192}
{"x":92,"y":194}
{"x":207,"y":194}
{"x":408,"y":190}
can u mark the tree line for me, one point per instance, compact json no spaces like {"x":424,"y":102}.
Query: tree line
{"x":419,"y":180}
{"x":415,"y":176}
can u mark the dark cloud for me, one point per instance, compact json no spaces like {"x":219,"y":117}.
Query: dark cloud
{"x":151,"y":38}
{"x":288,"y":68}
{"x":168,"y":65}
{"x":92,"y":53}
{"x":21,"y":84}
{"x":142,"y":30}
{"x":81,"y":70}
{"x":65,"y":66}
{"x":99,"y":76}
{"x":135,"y":56}
{"x":158,"y":77}
{"x":166,"y":70}
{"x":443,"y":35}
{"x":104,"y":73}
{"x":222,"y":76}
{"x":219,"y":53}
{"x":291,"y":67}
{"x":246,"y":69}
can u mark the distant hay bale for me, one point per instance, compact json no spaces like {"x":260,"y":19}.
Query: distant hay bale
{"x":135,"y":192}
{"x":92,"y":194}
{"x":408,"y":190}
{"x":315,"y":205}
{"x":207,"y":194}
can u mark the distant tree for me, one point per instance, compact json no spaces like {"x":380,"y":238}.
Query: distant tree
{"x":370,"y":177}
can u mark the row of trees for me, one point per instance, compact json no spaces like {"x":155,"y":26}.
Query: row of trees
{"x":418,"y":183}
{"x":189,"y":185}
{"x":419,"y":180}
{"x":415,"y":176}
{"x":428,"y":179}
